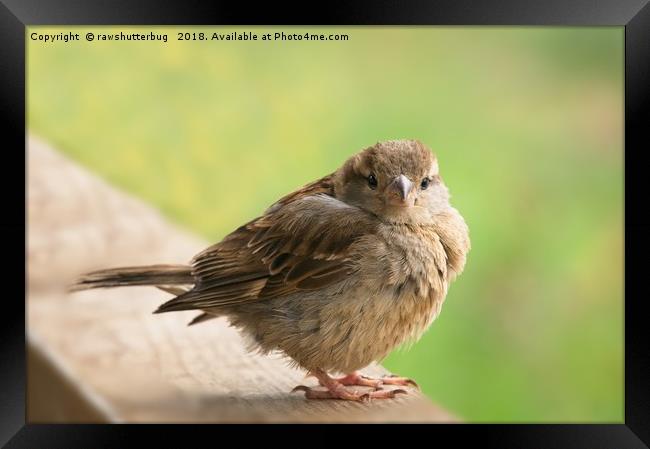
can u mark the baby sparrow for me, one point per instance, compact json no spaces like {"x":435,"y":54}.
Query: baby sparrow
{"x":334,"y":275}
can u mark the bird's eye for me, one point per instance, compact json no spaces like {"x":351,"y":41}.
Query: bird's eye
{"x":372,"y":181}
{"x":425,"y":183}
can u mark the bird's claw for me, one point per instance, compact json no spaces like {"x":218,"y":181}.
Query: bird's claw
{"x":394,"y":379}
{"x":300,"y":388}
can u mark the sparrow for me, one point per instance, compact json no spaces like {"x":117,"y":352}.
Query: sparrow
{"x":333,"y":275}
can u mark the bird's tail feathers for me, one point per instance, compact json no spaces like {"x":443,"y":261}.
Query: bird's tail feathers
{"x":154,"y":275}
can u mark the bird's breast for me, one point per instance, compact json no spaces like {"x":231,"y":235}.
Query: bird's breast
{"x":408,"y":260}
{"x":415,"y":286}
{"x":401,"y":289}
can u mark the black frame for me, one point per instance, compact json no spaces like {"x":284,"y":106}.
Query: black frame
{"x":15,"y":15}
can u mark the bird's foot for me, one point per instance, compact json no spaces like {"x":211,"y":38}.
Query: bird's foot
{"x":359,"y":379}
{"x":336,"y":388}
{"x":356,"y":378}
{"x":397,"y":380}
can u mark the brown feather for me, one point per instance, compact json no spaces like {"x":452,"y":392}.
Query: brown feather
{"x":130,"y":276}
{"x":201,"y":318}
{"x":301,"y":243}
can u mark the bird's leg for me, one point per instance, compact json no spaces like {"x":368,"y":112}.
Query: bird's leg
{"x":337,"y":390}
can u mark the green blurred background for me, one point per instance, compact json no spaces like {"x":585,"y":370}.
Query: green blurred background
{"x":527,"y":124}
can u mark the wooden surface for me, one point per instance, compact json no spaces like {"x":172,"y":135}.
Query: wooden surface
{"x":102,"y":356}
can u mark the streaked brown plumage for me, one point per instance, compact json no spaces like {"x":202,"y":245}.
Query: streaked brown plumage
{"x":335,"y":274}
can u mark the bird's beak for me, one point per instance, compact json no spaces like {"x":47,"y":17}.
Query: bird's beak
{"x":399,"y":190}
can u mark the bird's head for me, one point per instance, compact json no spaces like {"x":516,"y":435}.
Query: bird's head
{"x":397,"y":180}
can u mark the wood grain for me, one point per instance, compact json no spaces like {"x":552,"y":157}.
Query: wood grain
{"x":102,"y":356}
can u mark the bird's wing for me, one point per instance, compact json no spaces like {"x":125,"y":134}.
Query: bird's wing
{"x":301,"y":243}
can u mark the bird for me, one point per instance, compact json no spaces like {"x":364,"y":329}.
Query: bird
{"x":334,"y":275}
